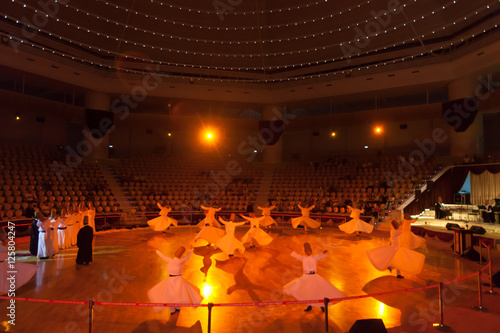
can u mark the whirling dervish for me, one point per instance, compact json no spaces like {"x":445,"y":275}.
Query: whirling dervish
{"x":174,"y":289}
{"x":255,"y":233}
{"x":356,"y":224}
{"x":208,"y":232}
{"x":408,"y":239}
{"x":304,"y":219}
{"x":267,"y":220}
{"x":228,"y":243}
{"x":162,"y":222}
{"x":395,"y":256}
{"x":310,"y":285}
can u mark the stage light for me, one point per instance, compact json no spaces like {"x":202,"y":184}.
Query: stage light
{"x":18,"y":117}
{"x":333,"y":133}
{"x":169,"y":134}
{"x":378,"y":130}
{"x":207,"y":290}
{"x":366,"y":147}
{"x":209,"y":135}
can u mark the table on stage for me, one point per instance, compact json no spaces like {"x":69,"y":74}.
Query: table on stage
{"x":459,"y":212}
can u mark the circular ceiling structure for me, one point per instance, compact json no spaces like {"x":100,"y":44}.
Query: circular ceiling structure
{"x":234,"y":41}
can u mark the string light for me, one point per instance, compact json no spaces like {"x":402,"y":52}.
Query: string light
{"x":255,"y":55}
{"x":243,"y":55}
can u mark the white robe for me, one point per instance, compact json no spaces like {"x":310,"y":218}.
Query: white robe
{"x":45,"y":242}
{"x":267,"y":220}
{"x":310,"y":285}
{"x":356,"y":224}
{"x":260,"y":236}
{"x":228,"y":244}
{"x":408,"y":239}
{"x":395,"y":256}
{"x":305,"y":220}
{"x":63,"y":236}
{"x":174,"y":289}
{"x":163,"y":221}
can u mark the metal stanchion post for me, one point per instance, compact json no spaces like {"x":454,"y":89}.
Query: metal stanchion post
{"x":91,"y":316}
{"x":480,"y":306}
{"x":441,"y":326}
{"x":480,"y":253}
{"x":210,"y":305}
{"x":326,"y":300}
{"x":490,"y":292}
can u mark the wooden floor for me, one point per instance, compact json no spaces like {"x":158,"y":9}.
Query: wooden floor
{"x":125,"y":267}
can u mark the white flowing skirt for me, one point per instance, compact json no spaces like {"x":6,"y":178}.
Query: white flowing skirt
{"x":260,"y":236}
{"x":228,"y":244}
{"x":411,"y":241}
{"x":174,"y":289}
{"x":161,"y":223}
{"x":45,"y":245}
{"x":210,"y":234}
{"x":356,"y":225}
{"x":305,"y":221}
{"x":401,"y":258}
{"x":24,"y":273}
{"x":63,"y":238}
{"x":311,"y":287}
{"x":267,"y":221}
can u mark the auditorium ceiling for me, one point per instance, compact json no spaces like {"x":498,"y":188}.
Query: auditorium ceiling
{"x":250,"y":51}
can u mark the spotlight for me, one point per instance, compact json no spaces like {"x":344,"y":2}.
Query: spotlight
{"x":18,"y":116}
{"x":378,"y":130}
{"x":333,"y":133}
{"x":169,"y":134}
{"x":209,"y":136}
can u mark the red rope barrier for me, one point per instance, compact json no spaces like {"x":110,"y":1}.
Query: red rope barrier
{"x":218,"y":304}
{"x":460,"y":279}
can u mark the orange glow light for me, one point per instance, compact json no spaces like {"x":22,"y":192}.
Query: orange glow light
{"x":207,"y":290}
{"x":333,"y":133}
{"x":378,"y":130}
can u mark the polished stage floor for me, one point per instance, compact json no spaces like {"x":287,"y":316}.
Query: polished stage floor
{"x":125,"y":267}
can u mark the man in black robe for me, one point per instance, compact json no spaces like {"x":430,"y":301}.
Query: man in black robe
{"x":84,"y":242}
{"x":34,"y":235}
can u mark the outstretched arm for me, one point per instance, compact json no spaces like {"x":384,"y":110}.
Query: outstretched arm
{"x":222,"y":221}
{"x":245,"y":217}
{"x":159,"y":205}
{"x":164,"y":257}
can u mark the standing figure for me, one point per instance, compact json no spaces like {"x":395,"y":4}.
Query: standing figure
{"x":34,"y":234}
{"x":310,"y":285}
{"x":162,"y":222}
{"x":174,"y":289}
{"x":396,"y":256}
{"x":84,"y":242}
{"x":228,"y":243}
{"x":21,"y":271}
{"x":255,"y":232}
{"x":54,"y":235}
{"x":91,"y":215}
{"x":408,"y":239}
{"x":356,"y":224}
{"x":305,"y":220}
{"x":45,"y":243}
{"x":267,"y":221}
{"x":63,"y":237}
{"x":208,"y":232}
{"x":70,"y":220}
